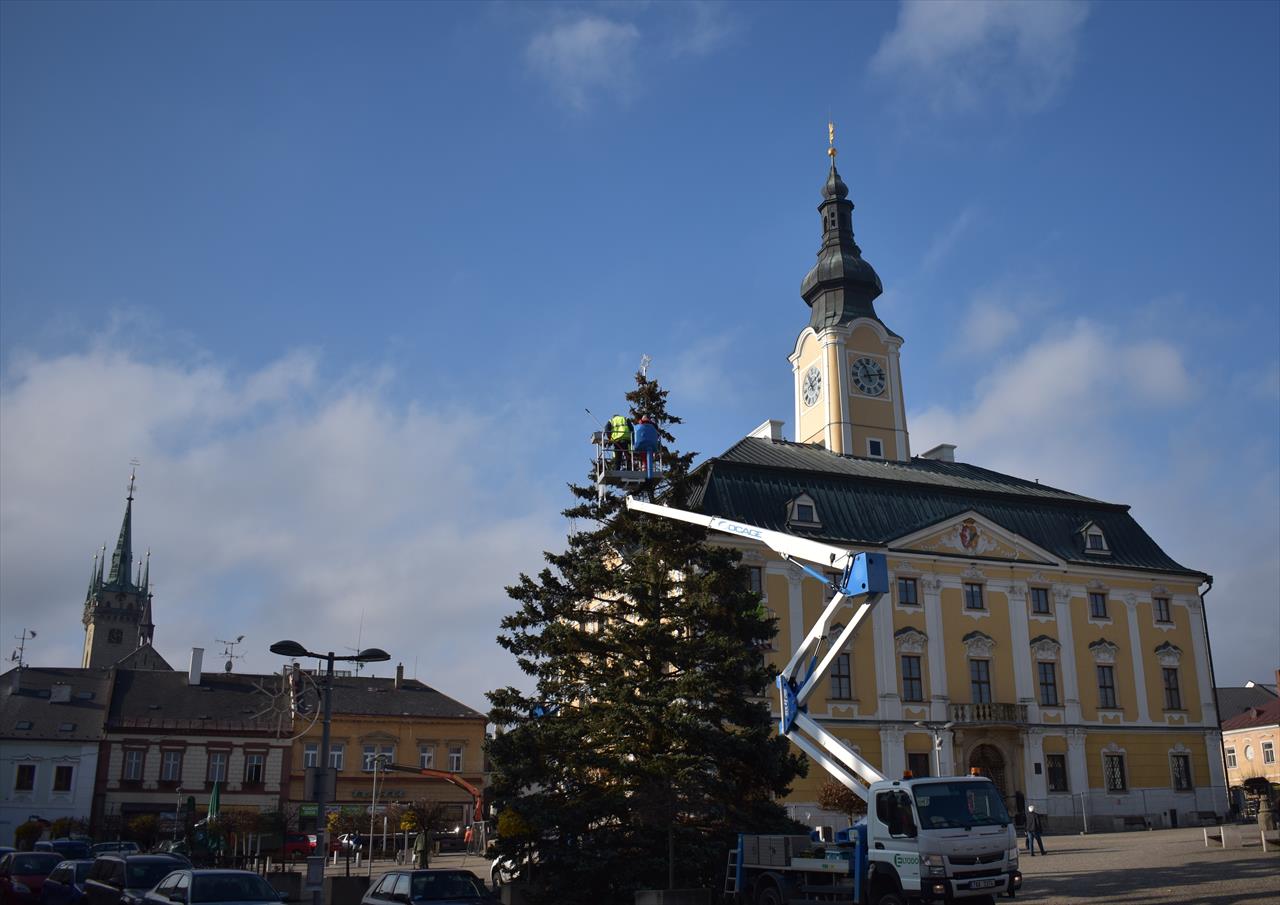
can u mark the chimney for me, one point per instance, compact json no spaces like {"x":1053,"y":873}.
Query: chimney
{"x":197,"y":658}
{"x":943,"y":452}
{"x":769,"y":430}
{"x":60,"y":693}
{"x":399,"y":675}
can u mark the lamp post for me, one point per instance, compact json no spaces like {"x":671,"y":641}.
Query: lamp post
{"x":935,"y":730}
{"x":368,"y":655}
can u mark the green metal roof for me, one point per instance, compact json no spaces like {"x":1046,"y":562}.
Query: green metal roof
{"x":873,"y":502}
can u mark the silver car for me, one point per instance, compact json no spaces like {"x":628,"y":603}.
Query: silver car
{"x":213,"y":887}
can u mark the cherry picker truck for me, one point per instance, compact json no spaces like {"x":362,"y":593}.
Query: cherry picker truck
{"x":927,"y":839}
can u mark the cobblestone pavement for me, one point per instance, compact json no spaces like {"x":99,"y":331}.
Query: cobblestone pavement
{"x":1153,"y":868}
{"x":1149,"y":868}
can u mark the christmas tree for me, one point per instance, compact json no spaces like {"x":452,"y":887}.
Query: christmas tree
{"x":646,"y":744}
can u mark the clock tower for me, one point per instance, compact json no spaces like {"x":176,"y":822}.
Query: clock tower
{"x":117,"y":608}
{"x":848,"y":385}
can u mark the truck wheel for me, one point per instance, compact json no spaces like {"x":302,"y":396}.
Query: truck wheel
{"x":891,"y":898}
{"x":769,"y":895}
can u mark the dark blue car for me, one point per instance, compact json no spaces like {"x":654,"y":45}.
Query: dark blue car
{"x":65,"y":886}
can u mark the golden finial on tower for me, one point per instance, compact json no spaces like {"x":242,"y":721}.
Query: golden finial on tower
{"x":831,"y":139}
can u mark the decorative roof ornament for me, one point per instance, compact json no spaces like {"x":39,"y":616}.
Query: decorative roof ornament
{"x":841,"y":286}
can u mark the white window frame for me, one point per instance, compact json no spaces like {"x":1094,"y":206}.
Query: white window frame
{"x":1268,"y":752}
{"x":35,"y":776}
{"x":53,"y":780}
{"x":337,"y":755}
{"x":310,"y":754}
{"x":167,"y":756}
{"x":427,"y":756}
{"x":250,"y":763}
{"x":755,"y":581}
{"x":1231,"y":758}
{"x":127,"y":774}
{"x":870,"y":453}
{"x":793,"y":514}
{"x":219,"y":775}
{"x":455,"y":758}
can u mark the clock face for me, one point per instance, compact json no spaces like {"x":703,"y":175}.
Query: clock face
{"x":811,"y":389}
{"x":868,"y":376}
{"x":115,"y":636}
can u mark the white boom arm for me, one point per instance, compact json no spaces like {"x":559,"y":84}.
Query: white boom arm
{"x":862,"y":578}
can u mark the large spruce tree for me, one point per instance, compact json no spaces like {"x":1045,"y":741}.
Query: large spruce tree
{"x":647,"y":733}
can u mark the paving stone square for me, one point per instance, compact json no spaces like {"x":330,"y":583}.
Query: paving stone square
{"x":1152,"y":867}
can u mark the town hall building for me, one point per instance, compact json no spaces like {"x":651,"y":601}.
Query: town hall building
{"x":1033,"y":634}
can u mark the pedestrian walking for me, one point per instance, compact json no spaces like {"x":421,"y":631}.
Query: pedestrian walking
{"x":420,"y":859}
{"x":1035,"y":826}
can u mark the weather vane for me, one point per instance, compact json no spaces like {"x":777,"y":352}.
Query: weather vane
{"x":645,"y":361}
{"x":831,"y":139}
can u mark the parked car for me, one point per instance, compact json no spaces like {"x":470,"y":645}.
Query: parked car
{"x":299,"y":845}
{"x":65,"y":886}
{"x":69,"y":849}
{"x":213,"y":887}
{"x":22,"y":874}
{"x":440,"y":887}
{"x":104,"y":848}
{"x":123,"y":879}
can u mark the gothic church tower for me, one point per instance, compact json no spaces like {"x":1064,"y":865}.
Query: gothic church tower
{"x":848,"y":386}
{"x":117,"y":608}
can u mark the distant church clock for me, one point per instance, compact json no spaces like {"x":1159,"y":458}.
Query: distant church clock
{"x":115,"y":636}
{"x":868,"y":376}
{"x":812,"y":385}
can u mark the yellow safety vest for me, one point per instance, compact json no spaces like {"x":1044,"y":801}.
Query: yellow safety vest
{"x":619,"y":428}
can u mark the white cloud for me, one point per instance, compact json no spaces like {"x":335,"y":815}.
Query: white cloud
{"x":277,"y":504}
{"x":947,"y":239}
{"x":997,"y":314}
{"x":702,"y":27}
{"x":958,"y":55}
{"x":584,"y":57}
{"x":1121,"y":420}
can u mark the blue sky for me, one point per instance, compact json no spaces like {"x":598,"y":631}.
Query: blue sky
{"x":345,"y":278}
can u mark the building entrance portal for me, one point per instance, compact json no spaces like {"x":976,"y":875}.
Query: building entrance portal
{"x":989,"y":762}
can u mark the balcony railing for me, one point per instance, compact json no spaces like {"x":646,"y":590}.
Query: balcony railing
{"x":988,"y":713}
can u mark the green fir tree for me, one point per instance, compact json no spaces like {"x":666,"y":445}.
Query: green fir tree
{"x":647,"y":733}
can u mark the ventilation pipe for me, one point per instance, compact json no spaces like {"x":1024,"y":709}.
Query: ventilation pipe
{"x":399,"y":675}
{"x":197,"y":660}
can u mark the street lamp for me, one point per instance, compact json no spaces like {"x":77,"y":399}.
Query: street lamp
{"x":368,"y":655}
{"x":935,"y":730}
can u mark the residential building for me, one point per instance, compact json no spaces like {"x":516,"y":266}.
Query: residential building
{"x":1041,"y":636}
{"x":1233,"y":701}
{"x":169,"y":736}
{"x":1251,"y":741}
{"x":402,"y":720}
{"x":50,"y":726}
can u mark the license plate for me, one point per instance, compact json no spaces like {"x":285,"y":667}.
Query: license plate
{"x":982,"y":884}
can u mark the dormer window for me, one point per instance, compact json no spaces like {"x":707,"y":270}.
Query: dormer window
{"x":803,"y":513}
{"x":1095,"y":542}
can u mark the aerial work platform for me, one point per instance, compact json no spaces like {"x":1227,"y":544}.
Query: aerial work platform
{"x":631,"y":464}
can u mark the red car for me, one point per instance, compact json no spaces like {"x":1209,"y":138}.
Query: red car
{"x":22,"y":875}
{"x":299,"y":845}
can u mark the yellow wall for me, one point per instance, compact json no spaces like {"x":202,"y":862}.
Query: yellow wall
{"x":1146,"y":756}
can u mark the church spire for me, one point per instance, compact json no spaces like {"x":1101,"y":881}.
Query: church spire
{"x":122,"y":558}
{"x":146,"y":628}
{"x":841,"y":286}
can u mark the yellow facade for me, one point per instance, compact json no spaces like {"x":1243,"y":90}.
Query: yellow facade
{"x":1253,"y":752}
{"x":408,"y":741}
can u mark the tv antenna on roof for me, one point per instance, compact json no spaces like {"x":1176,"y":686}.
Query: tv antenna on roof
{"x":229,"y":651}
{"x":645,"y":361}
{"x":18,"y":656}
{"x":359,"y":639}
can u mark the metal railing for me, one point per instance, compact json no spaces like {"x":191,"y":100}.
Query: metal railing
{"x":988,"y":713}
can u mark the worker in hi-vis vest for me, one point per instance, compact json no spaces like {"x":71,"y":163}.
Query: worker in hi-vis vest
{"x":619,"y":433}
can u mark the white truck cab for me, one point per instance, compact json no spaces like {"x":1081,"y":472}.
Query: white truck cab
{"x":938,"y":840}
